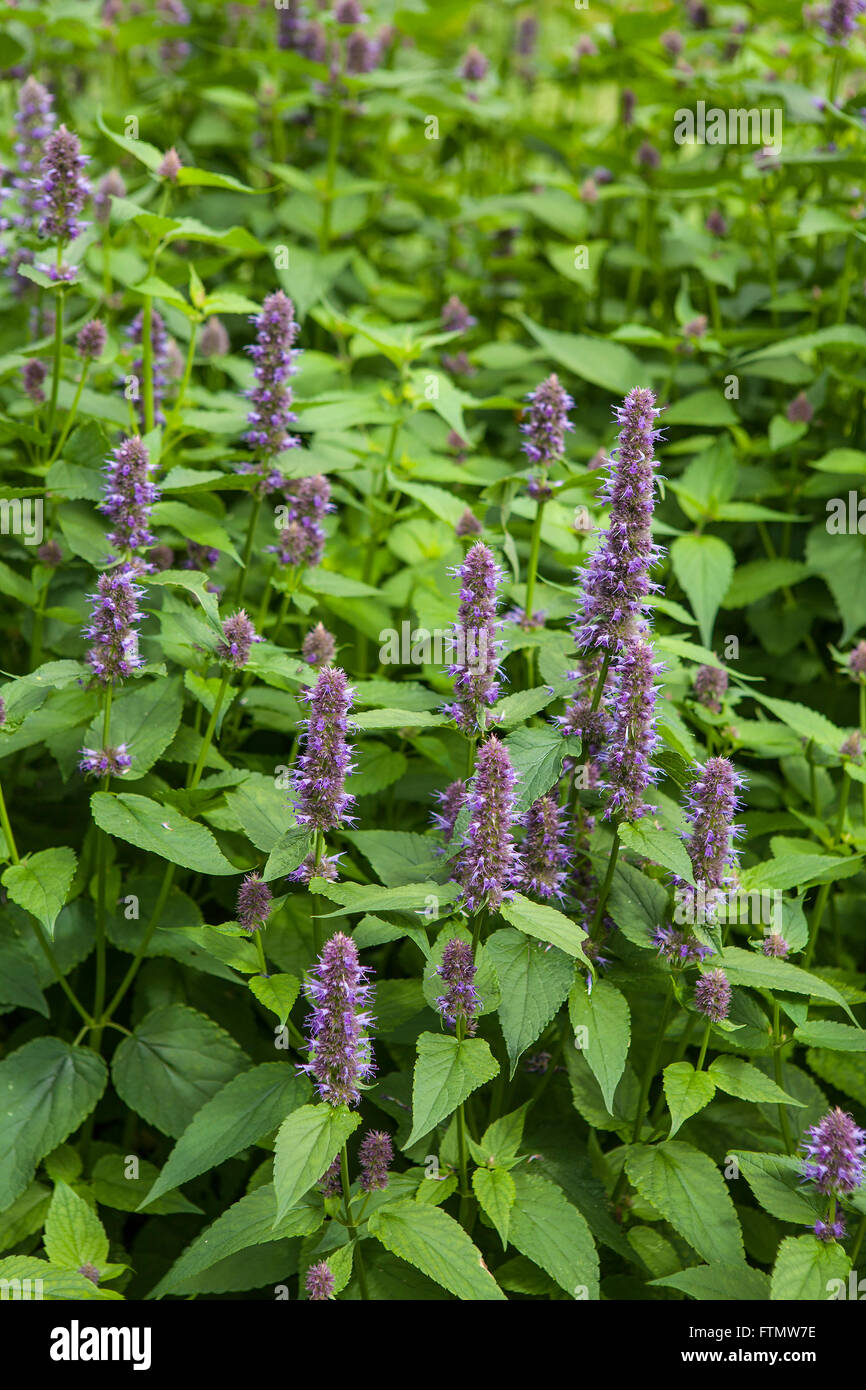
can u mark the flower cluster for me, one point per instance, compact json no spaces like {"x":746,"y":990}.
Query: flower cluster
{"x":302,"y":539}
{"x":544,"y":854}
{"x":112,"y":631}
{"x":633,"y":737}
{"x":319,"y":647}
{"x":129,"y":495}
{"x":375,"y":1155}
{"x":254,"y":903}
{"x":460,"y":1003}
{"x":34,"y":122}
{"x":547,"y":422}
{"x":713,"y":995}
{"x":321,"y":799}
{"x":341,"y":1055}
{"x":711,"y":684}
{"x":159,"y":358}
{"x":63,"y":189}
{"x":105,"y":762}
{"x":711,"y":802}
{"x":238,"y":638}
{"x":270,"y":414}
{"x":451,"y":800}
{"x":477,"y":646}
{"x":488,"y":864}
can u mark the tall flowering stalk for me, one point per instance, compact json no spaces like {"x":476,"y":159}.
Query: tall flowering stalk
{"x":488,"y":864}
{"x":834,"y":1162}
{"x":34,"y":122}
{"x":321,"y":799}
{"x":711,"y":802}
{"x":340,"y":1051}
{"x":633,"y":737}
{"x":61,"y":194}
{"x":544,"y":432}
{"x":302,"y":539}
{"x":129,"y":496}
{"x":147,"y":331}
{"x":544,"y":854}
{"x":460,"y":1003}
{"x":112,"y":630}
{"x":476,"y":644}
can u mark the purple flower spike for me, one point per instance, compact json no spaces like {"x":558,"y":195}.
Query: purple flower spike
{"x":239,"y":635}
{"x":857,"y":661}
{"x":713,"y":995}
{"x":114,"y":653}
{"x":834,"y":1154}
{"x":341,"y":1056}
{"x":159,"y":351}
{"x":375,"y":1155}
{"x":544,"y":854}
{"x":110,"y":186}
{"x":63,"y":189}
{"x":129,"y":495}
{"x":488,"y":864}
{"x":633,"y":738}
{"x":302,"y":540}
{"x":545,"y":429}
{"x":34,"y":373}
{"x":451,"y":801}
{"x":474,"y":66}
{"x":461,"y":1003}
{"x":456,"y":318}
{"x":711,"y":684}
{"x":829,"y":1230}
{"x":214,"y":340}
{"x":90,"y":342}
{"x":468,"y":525}
{"x":616,"y":582}
{"x":254,"y":903}
{"x":775,"y":945}
{"x":331,"y":1182}
{"x":321,"y":799}
{"x":476,"y":668}
{"x":320,"y":1282}
{"x":680,"y":948}
{"x":34,"y":122}
{"x":319,"y":648}
{"x":271,"y":398}
{"x":105,"y":762}
{"x":711,"y":804}
{"x":840,"y":20}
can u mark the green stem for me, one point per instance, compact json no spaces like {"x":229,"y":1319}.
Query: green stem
{"x":131,"y":973}
{"x":605,"y":887}
{"x":248,"y":549}
{"x":208,"y":735}
{"x":147,"y":359}
{"x":858,"y":1241}
{"x":70,"y":419}
{"x":350,"y":1224}
{"x":704,"y":1045}
{"x":652,"y":1066}
{"x":7,"y":829}
{"x":777,"y":1069}
{"x":58,"y":359}
{"x":331,"y":169}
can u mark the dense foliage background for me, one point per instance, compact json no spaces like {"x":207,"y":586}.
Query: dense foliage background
{"x":458,"y":200}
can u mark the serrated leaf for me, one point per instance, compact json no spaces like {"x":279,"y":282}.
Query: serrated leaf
{"x":446,"y":1072}
{"x":548,"y":1230}
{"x":739,"y":1078}
{"x":533,"y":981}
{"x":687,"y":1189}
{"x":545,"y":924}
{"x":41,"y":882}
{"x":719,"y":1283}
{"x":703,"y":566}
{"x":494,"y":1188}
{"x":432,"y":1241}
{"x":806,"y":1269}
{"x":159,"y":830}
{"x":603,"y":1015}
{"x":277,"y":992}
{"x":686,"y":1091}
{"x":308,"y":1141}
{"x":73,"y":1232}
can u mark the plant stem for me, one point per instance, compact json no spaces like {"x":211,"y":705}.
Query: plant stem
{"x":130,"y":975}
{"x":248,"y":549}
{"x":704,"y":1045}
{"x":652,"y":1066}
{"x":70,"y":419}
{"x":605,"y":887}
{"x":350,"y":1224}
{"x":331,"y":168}
{"x":209,"y":732}
{"x":58,"y":360}
{"x":777,"y":1070}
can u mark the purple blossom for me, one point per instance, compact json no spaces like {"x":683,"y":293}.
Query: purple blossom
{"x":716,"y":224}
{"x":362,"y":53}
{"x":775,"y":945}
{"x":2,"y":711}
{"x":840,"y":19}
{"x":170,"y":165}
{"x":633,"y":738}
{"x":214,"y":340}
{"x":319,"y":647}
{"x":129,"y":495}
{"x":476,"y":668}
{"x":34,"y":373}
{"x":239,"y":635}
{"x":526,"y":36}
{"x":713,"y":995}
{"x":474,"y":66}
{"x":711,"y":802}
{"x":90,"y":1272}
{"x":112,"y":630}
{"x":544,"y":853}
{"x":829,"y":1230}
{"x":331,"y":1182}
{"x":159,"y":357}
{"x":468,"y":525}
{"x":857,"y":661}
{"x":800,"y":410}
{"x":302,"y":539}
{"x":451,"y":800}
{"x":647,"y":156}
{"x":254,"y":903}
{"x":456,"y":318}
{"x":105,"y":762}
{"x":200,"y":557}
{"x":63,"y":189}
{"x":50,"y":555}
{"x":34,"y":122}
{"x":322,"y":801}
{"x":320,"y":1282}
{"x":460,"y":1004}
{"x":341,"y":1056}
{"x":545,"y":429}
{"x":90,"y":342}
{"x":271,"y":397}
{"x":349,"y":12}
{"x":375,"y":1155}
{"x":680,"y":948}
{"x":488,"y":863}
{"x":711,"y":683}
{"x":616,"y":581}
{"x":834,"y":1154}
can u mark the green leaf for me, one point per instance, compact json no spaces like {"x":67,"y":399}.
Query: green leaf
{"x":432,"y":1241}
{"x":765,"y":972}
{"x":806,"y":1268}
{"x":47,"y":1088}
{"x":54,"y":1285}
{"x":659,"y":847}
{"x":73,"y":1232}
{"x":602,"y":1027}
{"x":776,"y":1181}
{"x":704,"y":566}
{"x":146,"y":720}
{"x":687,"y":1189}
{"x":686,"y":1091}
{"x":596,"y":360}
{"x":446,"y":1072}
{"x":534,"y":981}
{"x":277,"y":992}
{"x":842,"y":1070}
{"x":718,"y":1282}
{"x":112,"y":1188}
{"x":545,"y":924}
{"x":159,"y":830}
{"x":248,"y":1107}
{"x":287,"y":853}
{"x":175,"y":1061}
{"x":252,"y":1221}
{"x":494,"y":1188}
{"x":739,"y":1078}
{"x":536,"y":755}
{"x":41,"y":882}
{"x":422,"y":898}
{"x":308,"y":1141}
{"x":548,"y":1230}
{"x":838,"y":1037}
